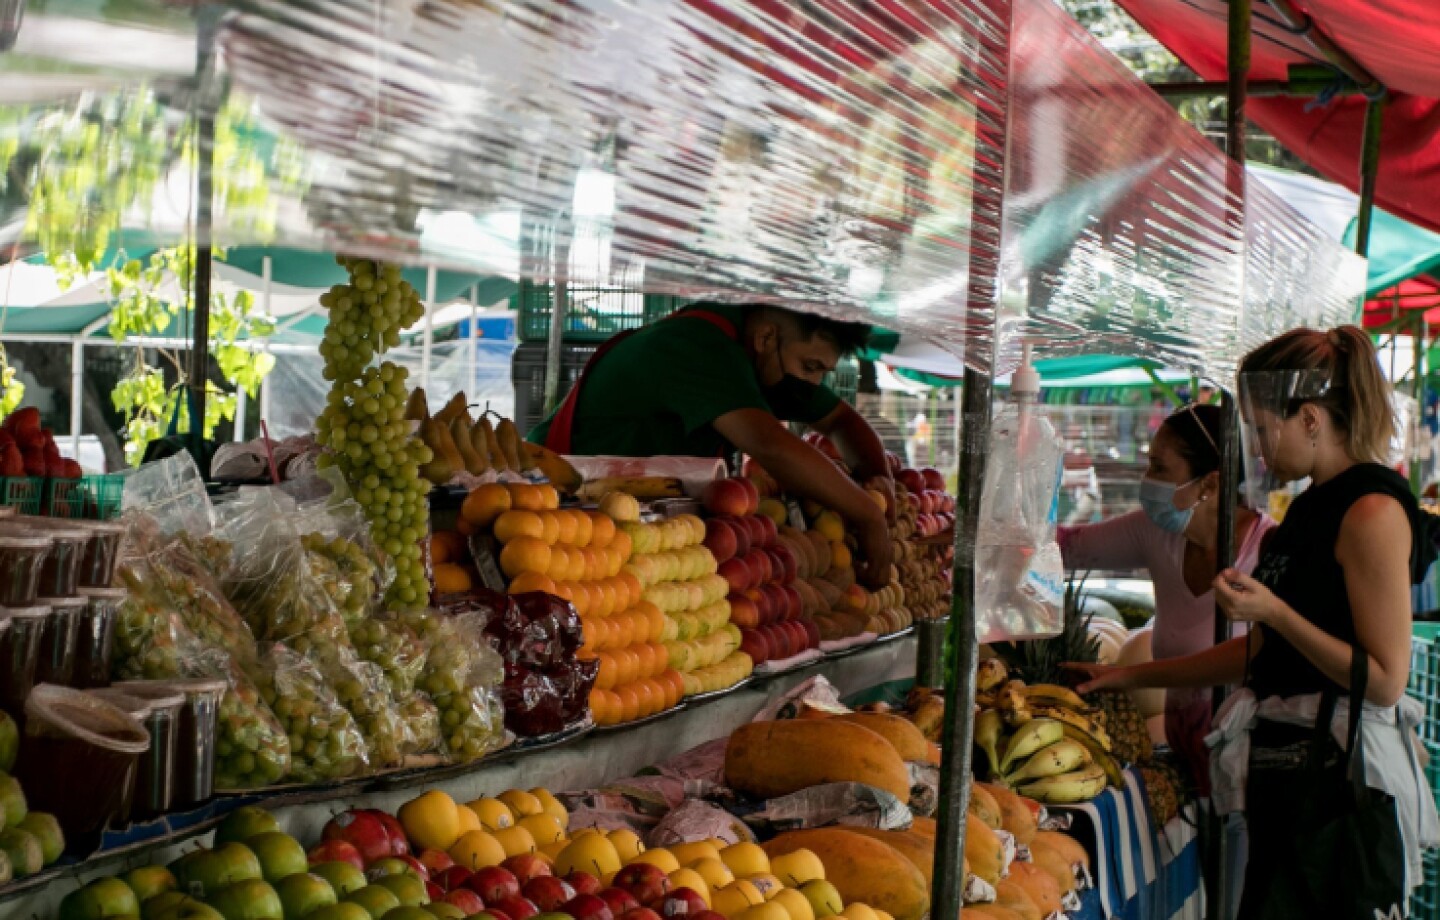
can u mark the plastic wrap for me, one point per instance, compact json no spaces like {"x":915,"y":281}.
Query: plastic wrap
{"x":392,"y":645}
{"x":421,"y":718}
{"x":325,"y":742}
{"x":462,"y":674}
{"x":537,"y":636}
{"x":353,"y":570}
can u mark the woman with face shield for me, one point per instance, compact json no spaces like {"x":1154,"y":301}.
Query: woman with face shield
{"x":1328,"y":610}
{"x":1174,"y":537}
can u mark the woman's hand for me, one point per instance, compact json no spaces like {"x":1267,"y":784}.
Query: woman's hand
{"x":1101,"y":676}
{"x":1245,"y":600}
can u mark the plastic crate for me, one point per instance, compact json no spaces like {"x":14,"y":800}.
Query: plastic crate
{"x":1425,"y":687}
{"x":527,"y":373}
{"x":845,"y":379}
{"x":594,"y":315}
{"x":24,"y":493}
{"x":90,"y":497}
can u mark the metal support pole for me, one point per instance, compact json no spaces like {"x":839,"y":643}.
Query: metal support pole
{"x":474,"y":336}
{"x":199,"y":372}
{"x":267,"y":270}
{"x":1369,"y":170}
{"x":1417,"y":424}
{"x":77,"y":383}
{"x":428,"y":342}
{"x":555,"y":340}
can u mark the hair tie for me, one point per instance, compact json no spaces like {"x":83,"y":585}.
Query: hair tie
{"x":1335,"y":339}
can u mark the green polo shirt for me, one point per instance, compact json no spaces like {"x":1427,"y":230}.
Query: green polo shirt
{"x":657,"y":392}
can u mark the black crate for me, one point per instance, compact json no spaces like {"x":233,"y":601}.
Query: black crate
{"x":527,"y":372}
{"x":595,"y":313}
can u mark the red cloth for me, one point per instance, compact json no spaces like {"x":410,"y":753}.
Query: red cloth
{"x":1421,"y":293}
{"x":1394,"y":39}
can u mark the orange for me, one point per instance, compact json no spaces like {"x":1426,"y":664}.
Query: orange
{"x":451,"y":578}
{"x":549,"y":526}
{"x":659,"y":659}
{"x":602,"y":530}
{"x":549,"y":498}
{"x":608,"y":597}
{"x":532,"y":581}
{"x":676,"y":681}
{"x":629,"y":663}
{"x":447,"y":546}
{"x":525,"y":554}
{"x":600,"y":706}
{"x":655,"y":621}
{"x":649,"y":701}
{"x":525,"y":497}
{"x":609,"y":670}
{"x":629,"y":703}
{"x":587,"y":640}
{"x":634,"y":591}
{"x":566,"y":590}
{"x":559,"y":567}
{"x":584,"y":529}
{"x":622,"y":545}
{"x":512,"y":524}
{"x":565,"y":525}
{"x":464,"y":528}
{"x":580,"y":598}
{"x":486,"y":503}
{"x":577,"y":564}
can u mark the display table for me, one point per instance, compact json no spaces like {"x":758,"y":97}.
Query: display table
{"x":1141,"y":873}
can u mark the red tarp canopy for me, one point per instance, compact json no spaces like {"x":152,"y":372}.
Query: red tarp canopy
{"x":1396,"y":40}
{"x":1422,"y":293}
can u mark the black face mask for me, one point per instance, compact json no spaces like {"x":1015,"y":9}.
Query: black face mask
{"x":791,"y":397}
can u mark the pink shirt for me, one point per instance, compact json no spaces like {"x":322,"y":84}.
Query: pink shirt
{"x":1184,"y":623}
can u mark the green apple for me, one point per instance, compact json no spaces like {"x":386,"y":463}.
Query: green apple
{"x":244,"y":823}
{"x":183,"y":907}
{"x":376,"y":899}
{"x":444,"y":910}
{"x":204,"y":872}
{"x":7,"y":871}
{"x":342,"y":876}
{"x":23,"y":848}
{"x":9,"y":742}
{"x":150,"y":882}
{"x":12,"y":800}
{"x":47,"y":830}
{"x":389,"y":865}
{"x":302,"y":893}
{"x":409,"y":913}
{"x":341,"y":910}
{"x":158,"y":904}
{"x":408,"y":888}
{"x":280,"y":855}
{"x":252,"y":899}
{"x":824,"y":899}
{"x":102,"y":898}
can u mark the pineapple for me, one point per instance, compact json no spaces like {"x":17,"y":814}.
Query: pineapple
{"x":1130,"y":738}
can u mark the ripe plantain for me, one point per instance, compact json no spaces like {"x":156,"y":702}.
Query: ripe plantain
{"x":1098,"y":755}
{"x":1067,"y":788}
{"x":1061,"y":757}
{"x":987,"y":736}
{"x":1029,"y":738}
{"x":1054,"y":695}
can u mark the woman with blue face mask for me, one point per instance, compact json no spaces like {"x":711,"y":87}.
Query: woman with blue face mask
{"x":1175,"y":537}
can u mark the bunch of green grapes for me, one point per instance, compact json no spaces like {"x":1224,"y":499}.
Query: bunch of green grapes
{"x":346,"y":572}
{"x":364,"y":426}
{"x":360,"y":687}
{"x":422,"y":723}
{"x":325,"y":742}
{"x":395,"y":649}
{"x":251,"y":748}
{"x":460,"y":676}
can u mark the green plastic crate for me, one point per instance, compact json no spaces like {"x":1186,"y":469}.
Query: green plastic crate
{"x":1425,"y":687}
{"x":24,"y":493}
{"x":595,"y":313}
{"x":845,"y":379}
{"x":94,"y":498}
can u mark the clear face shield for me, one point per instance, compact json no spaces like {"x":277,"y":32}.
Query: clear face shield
{"x":1276,"y":448}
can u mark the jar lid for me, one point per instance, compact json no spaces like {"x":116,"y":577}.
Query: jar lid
{"x":184,"y":685}
{"x":62,"y":712}
{"x":32,"y":612}
{"x":24,"y":539}
{"x":59,"y":528}
{"x":80,"y":524}
{"x":103,"y":594}
{"x":160,"y":694}
{"x":61,"y":603}
{"x":136,"y":708}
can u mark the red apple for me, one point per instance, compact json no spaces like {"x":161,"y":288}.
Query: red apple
{"x":527,"y":866}
{"x":760,"y":563}
{"x":754,"y":644}
{"x":587,"y":907}
{"x":647,"y":882}
{"x":799,"y":637}
{"x":466,"y":900}
{"x":436,"y":861}
{"x":583,"y":883}
{"x":911,"y":480}
{"x":494,"y":884}
{"x":785,"y":564}
{"x":454,"y":877}
{"x":812,"y":633}
{"x":682,"y":902}
{"x":761,"y":600}
{"x":490,"y":913}
{"x":728,"y":496}
{"x":515,"y":908}
{"x":779,"y":639}
{"x":399,"y":843}
{"x":779,"y":602}
{"x":720,"y":539}
{"x":415,"y":864}
{"x":547,"y":892}
{"x":336,"y":851}
{"x":933,"y":479}
{"x":435,"y":892}
{"x":741,"y":533}
{"x":640,"y":913}
{"x":752,"y":495}
{"x":362,"y":830}
{"x":737,"y":572}
{"x":744,"y":612}
{"x":618,"y":900}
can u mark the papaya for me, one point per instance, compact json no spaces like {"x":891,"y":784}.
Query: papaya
{"x":932,"y":751}
{"x":1012,"y":897}
{"x":1067,"y":846}
{"x":1054,"y":863}
{"x":983,"y":850}
{"x":771,"y":759}
{"x":917,"y":848}
{"x":861,"y":869}
{"x":925,"y":827}
{"x":984,"y":806}
{"x":902,"y":734}
{"x":1039,"y":885}
{"x":988,"y":912}
{"x":1015,"y":816}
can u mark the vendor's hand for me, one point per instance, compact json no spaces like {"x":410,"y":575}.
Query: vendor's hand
{"x":1100,"y":676}
{"x":877,"y":552}
{"x":1245,"y":600}
{"x":886,"y":487}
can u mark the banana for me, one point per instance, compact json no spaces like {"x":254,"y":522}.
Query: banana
{"x":1098,"y":755}
{"x":556,"y":468}
{"x":1077,"y":786}
{"x":987,"y":735}
{"x":1010,"y":699}
{"x":497,"y":456}
{"x":642,"y":487}
{"x":991,"y":673}
{"x":1082,"y":721}
{"x":509,"y":437}
{"x":1061,"y":757}
{"x":1029,"y":738}
{"x":1054,"y":695}
{"x":415,"y":408}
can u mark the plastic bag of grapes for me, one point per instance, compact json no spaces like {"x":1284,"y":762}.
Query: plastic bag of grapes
{"x":361,"y":688}
{"x":356,"y":572}
{"x":422,"y":724}
{"x":462,"y":675}
{"x":325,"y":742}
{"x":394,"y":647}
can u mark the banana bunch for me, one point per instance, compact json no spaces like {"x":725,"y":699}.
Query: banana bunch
{"x":478,"y":446}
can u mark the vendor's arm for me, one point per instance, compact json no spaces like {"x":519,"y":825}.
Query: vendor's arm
{"x":1223,"y":664}
{"x":803,"y":470}
{"x":1374,"y":550}
{"x":862,"y":449}
{"x":1116,"y":544}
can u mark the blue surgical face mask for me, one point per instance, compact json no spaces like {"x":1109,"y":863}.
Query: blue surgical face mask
{"x":1158,"y":501}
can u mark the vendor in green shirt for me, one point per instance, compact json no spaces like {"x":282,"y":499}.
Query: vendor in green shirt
{"x":717,"y":377}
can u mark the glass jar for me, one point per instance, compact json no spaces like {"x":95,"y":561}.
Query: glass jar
{"x":194,"y":769}
{"x":95,"y":642}
{"x":19,"y":654}
{"x":22,"y":555}
{"x":60,"y":575}
{"x":56,"y":663}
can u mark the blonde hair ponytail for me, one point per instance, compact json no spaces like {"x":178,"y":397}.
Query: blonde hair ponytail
{"x":1358,"y":397}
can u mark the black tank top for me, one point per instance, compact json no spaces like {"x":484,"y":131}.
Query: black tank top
{"x":1298,"y":564}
